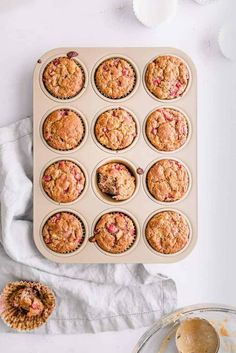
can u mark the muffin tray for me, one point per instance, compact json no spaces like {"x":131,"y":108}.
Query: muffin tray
{"x":139,"y":156}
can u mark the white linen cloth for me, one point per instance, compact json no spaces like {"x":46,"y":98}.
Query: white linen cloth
{"x":90,"y":298}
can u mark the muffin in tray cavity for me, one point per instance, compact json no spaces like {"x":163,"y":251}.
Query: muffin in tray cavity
{"x":168,"y":180}
{"x":167,"y":232}
{"x":26,"y":306}
{"x":63,"y":77}
{"x":114,"y":232}
{"x":115,"y":129}
{"x":63,"y":232}
{"x":63,"y":181}
{"x":167,"y":77}
{"x":115,"y":180}
{"x":167,"y":129}
{"x":63,"y":129}
{"x":115,"y":78}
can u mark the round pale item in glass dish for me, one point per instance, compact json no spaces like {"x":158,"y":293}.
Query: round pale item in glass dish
{"x":167,"y":129}
{"x":63,"y":78}
{"x":115,"y":78}
{"x":114,"y":232}
{"x":167,"y":77}
{"x":63,"y":181}
{"x":26,"y":305}
{"x":167,"y":232}
{"x":115,"y":129}
{"x":168,"y":180}
{"x":115,"y":180}
{"x":63,"y":130}
{"x":63,"y":233}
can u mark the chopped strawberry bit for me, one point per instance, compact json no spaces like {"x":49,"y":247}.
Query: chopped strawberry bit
{"x":179,"y":165}
{"x":184,"y":130}
{"x":140,"y":171}
{"x":58,"y":216}
{"x":72,"y":54}
{"x":132,"y":231}
{"x":47,"y":178}
{"x":34,"y":306}
{"x":56,"y":61}
{"x":66,"y":190}
{"x":167,"y":116}
{"x":125,"y":72}
{"x":118,"y":167}
{"x":105,"y":129}
{"x":154,"y":131}
{"x":112,"y":228}
{"x":77,"y":176}
{"x":114,"y":112}
{"x":116,"y":62}
{"x":157,"y":81}
{"x":105,"y":67}
{"x":61,"y":164}
{"x":178,"y":84}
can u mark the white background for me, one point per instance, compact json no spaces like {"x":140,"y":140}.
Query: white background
{"x":28,"y":28}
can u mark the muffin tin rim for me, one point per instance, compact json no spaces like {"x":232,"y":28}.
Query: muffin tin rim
{"x":167,"y":153}
{"x":148,"y":193}
{"x":82,"y":118}
{"x":120,"y":160}
{"x":80,"y":165}
{"x":134,"y":220}
{"x":82,"y":220}
{"x":167,"y":100}
{"x":79,"y":62}
{"x":164,"y":209}
{"x":112,"y":56}
{"x":105,"y":149}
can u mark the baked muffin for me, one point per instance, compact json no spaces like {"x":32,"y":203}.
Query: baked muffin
{"x":115,"y":232}
{"x":115,"y":129}
{"x":27,"y":305}
{"x":167,"y":77}
{"x":167,"y":232}
{"x":63,"y":232}
{"x":63,"y":78}
{"x":116,"y":180}
{"x":63,"y":130}
{"x":63,"y":181}
{"x":167,"y":129}
{"x":168,"y":180}
{"x":115,"y":78}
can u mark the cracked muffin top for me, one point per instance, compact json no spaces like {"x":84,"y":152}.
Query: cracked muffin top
{"x":26,"y":305}
{"x":115,"y":78}
{"x":63,"y":181}
{"x":115,"y":180}
{"x":63,"y":130}
{"x":63,"y":78}
{"x":167,"y":77}
{"x":167,"y":129}
{"x":168,"y":180}
{"x":167,"y":232}
{"x":115,"y":129}
{"x":63,"y":232}
{"x":114,"y":232}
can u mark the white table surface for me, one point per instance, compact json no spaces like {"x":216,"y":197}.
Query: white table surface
{"x":27,"y":29}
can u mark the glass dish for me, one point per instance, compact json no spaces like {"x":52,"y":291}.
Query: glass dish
{"x":160,"y":338}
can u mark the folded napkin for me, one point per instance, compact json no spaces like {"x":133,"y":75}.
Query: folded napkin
{"x":90,"y":298}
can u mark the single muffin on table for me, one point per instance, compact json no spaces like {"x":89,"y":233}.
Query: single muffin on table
{"x":167,"y":77}
{"x":167,"y":232}
{"x":63,"y":129}
{"x":63,"y":77}
{"x":63,"y":232}
{"x":63,"y":181}
{"x":116,"y":180}
{"x":115,"y":129}
{"x":114,"y":232}
{"x":26,"y":306}
{"x":115,"y":78}
{"x":167,"y":129}
{"x":168,"y":180}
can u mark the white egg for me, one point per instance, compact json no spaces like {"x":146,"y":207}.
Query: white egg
{"x":152,"y":13}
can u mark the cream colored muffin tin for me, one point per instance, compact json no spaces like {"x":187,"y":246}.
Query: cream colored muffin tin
{"x":91,"y":205}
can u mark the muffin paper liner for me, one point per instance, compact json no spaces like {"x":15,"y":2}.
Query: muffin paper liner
{"x":93,"y":240}
{"x":17,"y":319}
{"x":77,"y":61}
{"x":80,"y":141}
{"x":83,"y":233}
{"x":135,"y":78}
